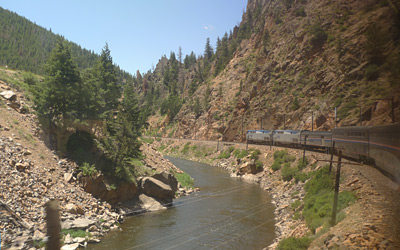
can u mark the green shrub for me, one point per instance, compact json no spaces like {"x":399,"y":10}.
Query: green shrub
{"x":75,"y":233}
{"x":259,"y":165}
{"x":184,"y":179}
{"x":302,"y":165}
{"x":276,"y":165}
{"x":295,"y":104}
{"x":227,"y":153}
{"x":293,"y":243}
{"x":87,"y":169}
{"x":240,"y":154}
{"x":284,"y":155}
{"x":372,"y":72}
{"x":254,"y":154}
{"x":300,"y":12}
{"x":318,"y":35}
{"x":296,"y":204}
{"x":345,"y":110}
{"x":162,"y":147}
{"x":301,"y":177}
{"x":319,"y":199}
{"x":288,"y":172}
{"x":231,"y":149}
{"x":148,"y":140}
{"x":224,"y":155}
{"x":186,"y":148}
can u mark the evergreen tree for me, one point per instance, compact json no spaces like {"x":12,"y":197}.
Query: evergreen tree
{"x":120,"y":142}
{"x":208,"y":51}
{"x":57,"y":97}
{"x":107,"y":79}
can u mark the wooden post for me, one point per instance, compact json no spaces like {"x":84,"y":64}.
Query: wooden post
{"x":335,"y":118}
{"x":270,"y":141}
{"x":392,"y":109}
{"x":241,"y":139}
{"x":284,"y":121}
{"x":312,"y":121}
{"x":304,"y":150}
{"x":332,"y":153}
{"x":335,"y":198}
{"x":53,"y":225}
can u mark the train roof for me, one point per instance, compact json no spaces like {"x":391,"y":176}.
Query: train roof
{"x":308,"y":132}
{"x":286,"y":131}
{"x":258,"y":130}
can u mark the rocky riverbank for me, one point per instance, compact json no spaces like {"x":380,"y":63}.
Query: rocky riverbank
{"x":31,"y":175}
{"x":370,"y":223}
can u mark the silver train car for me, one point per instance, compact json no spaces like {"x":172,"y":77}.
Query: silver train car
{"x":286,"y":137}
{"x":316,"y":139}
{"x":259,"y":136}
{"x":377,"y":145}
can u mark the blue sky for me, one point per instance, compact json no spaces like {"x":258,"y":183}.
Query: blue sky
{"x":138,"y":32}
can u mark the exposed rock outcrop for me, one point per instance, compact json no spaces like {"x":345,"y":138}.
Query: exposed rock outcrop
{"x":158,"y":189}
{"x":97,"y":187}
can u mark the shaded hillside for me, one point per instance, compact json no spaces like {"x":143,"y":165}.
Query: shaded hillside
{"x":290,"y":60}
{"x":26,"y":46}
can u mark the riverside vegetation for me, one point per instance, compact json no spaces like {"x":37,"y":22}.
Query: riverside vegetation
{"x":302,"y":191}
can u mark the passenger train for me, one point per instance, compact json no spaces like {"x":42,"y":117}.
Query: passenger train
{"x":379,"y":145}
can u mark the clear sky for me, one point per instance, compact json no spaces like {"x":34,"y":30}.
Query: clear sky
{"x":138,"y":32}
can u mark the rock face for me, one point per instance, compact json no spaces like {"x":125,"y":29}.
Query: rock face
{"x":168,"y":179}
{"x":97,"y":187}
{"x":158,"y":189}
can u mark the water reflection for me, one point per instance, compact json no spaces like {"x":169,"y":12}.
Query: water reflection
{"x":226,"y":214}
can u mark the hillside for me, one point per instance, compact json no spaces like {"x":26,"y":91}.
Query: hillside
{"x":288,"y":61}
{"x":90,"y":204}
{"x":26,"y":46}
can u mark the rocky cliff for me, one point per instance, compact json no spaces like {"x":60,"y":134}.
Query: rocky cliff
{"x":301,"y":60}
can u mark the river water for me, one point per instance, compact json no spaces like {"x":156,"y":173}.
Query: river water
{"x":227,"y":213}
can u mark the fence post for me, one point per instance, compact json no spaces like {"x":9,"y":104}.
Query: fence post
{"x":304,"y":150}
{"x":332,"y":153}
{"x":53,"y":225}
{"x":335,"y":198}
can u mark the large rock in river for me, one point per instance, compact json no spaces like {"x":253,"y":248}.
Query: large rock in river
{"x":168,"y":179}
{"x":149,"y":204}
{"x":156,"y":188}
{"x":97,"y":187}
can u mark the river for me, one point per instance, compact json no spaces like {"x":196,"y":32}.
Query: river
{"x":227,"y":213}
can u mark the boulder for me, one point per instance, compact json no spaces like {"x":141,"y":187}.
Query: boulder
{"x":8,"y":95}
{"x":80,"y":223}
{"x":68,"y":239}
{"x":96,"y":186}
{"x":21,"y":166}
{"x":247,"y":168}
{"x":70,"y":246}
{"x":74,"y":209}
{"x":168,"y":179}
{"x":155,"y":188}
{"x":67,"y":177}
{"x":149,"y":204}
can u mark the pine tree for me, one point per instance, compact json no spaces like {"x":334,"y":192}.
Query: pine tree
{"x":107,"y":79}
{"x":120,"y":142}
{"x":208,"y":51}
{"x":57,"y":98}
